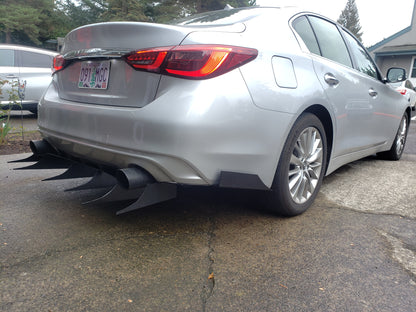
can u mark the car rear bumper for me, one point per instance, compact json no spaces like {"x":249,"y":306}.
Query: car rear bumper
{"x":187,"y":136}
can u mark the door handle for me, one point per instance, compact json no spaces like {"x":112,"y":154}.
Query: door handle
{"x":372,"y":92}
{"x":331,"y":79}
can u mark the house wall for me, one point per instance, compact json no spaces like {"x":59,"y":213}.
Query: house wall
{"x":406,"y":62}
{"x":385,"y":62}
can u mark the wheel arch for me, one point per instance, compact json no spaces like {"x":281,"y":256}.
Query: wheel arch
{"x":409,"y":114}
{"x":322,"y":113}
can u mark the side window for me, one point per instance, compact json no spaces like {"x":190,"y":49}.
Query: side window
{"x":413,"y":75}
{"x":409,"y":85}
{"x":330,"y":41}
{"x":304,"y":29}
{"x":6,"y":57}
{"x":33,"y":59}
{"x":364,"y":62}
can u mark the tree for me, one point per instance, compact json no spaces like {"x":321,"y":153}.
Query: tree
{"x":28,"y":21}
{"x":125,"y":10}
{"x":165,"y":10}
{"x":81,"y":12}
{"x":349,"y":19}
{"x":51,"y":21}
{"x":17,"y":18}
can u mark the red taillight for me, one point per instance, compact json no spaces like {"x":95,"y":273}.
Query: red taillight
{"x":149,"y":60}
{"x":191,"y":61}
{"x":402,"y":91}
{"x":58,"y":63}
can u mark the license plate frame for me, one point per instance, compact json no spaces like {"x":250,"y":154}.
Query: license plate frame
{"x":94,"y":75}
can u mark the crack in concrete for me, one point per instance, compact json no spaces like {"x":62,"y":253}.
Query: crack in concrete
{"x":371,"y":212}
{"x":209,"y":282}
{"x":327,"y":203}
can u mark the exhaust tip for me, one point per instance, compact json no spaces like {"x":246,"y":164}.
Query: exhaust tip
{"x":41,"y":147}
{"x":133,"y":177}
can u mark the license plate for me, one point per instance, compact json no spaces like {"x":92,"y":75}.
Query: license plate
{"x":94,"y":75}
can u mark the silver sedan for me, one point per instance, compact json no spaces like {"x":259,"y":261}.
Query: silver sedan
{"x":270,"y":99}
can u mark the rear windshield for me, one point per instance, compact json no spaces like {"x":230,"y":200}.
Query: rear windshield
{"x":221,"y":17}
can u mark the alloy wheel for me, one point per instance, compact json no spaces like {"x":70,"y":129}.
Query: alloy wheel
{"x":401,"y":136}
{"x":305,"y":165}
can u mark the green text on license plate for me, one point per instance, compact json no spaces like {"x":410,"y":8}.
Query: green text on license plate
{"x":94,"y":75}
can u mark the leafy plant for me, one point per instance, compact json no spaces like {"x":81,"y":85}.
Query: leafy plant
{"x":5,"y":109}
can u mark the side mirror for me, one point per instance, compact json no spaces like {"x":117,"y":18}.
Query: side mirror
{"x":395,"y":74}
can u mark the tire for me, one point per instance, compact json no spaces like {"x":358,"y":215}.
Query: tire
{"x":300,"y":169}
{"x":396,"y":151}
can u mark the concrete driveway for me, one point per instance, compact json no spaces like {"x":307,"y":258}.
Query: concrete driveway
{"x":210,"y":250}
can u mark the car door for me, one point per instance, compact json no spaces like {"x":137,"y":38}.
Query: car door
{"x":9,"y":73}
{"x":387,"y":111}
{"x":350,"y":92}
{"x":35,"y":73}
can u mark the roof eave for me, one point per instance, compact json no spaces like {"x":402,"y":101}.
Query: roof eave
{"x":395,"y":53}
{"x":388,"y":39}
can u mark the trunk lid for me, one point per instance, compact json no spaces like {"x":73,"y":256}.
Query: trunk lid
{"x":98,"y":48}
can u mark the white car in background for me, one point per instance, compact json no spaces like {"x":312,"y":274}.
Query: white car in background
{"x":28,"y":67}
{"x":407,"y":89}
